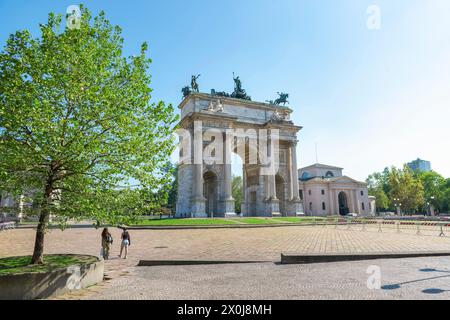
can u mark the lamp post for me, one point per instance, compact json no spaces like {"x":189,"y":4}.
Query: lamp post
{"x":430,"y":206}
{"x":398,"y":205}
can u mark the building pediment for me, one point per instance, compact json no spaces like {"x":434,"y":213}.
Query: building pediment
{"x":346,"y":179}
{"x":336,"y":180}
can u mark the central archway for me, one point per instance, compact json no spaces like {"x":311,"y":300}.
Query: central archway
{"x":210,"y":192}
{"x":343,"y":204}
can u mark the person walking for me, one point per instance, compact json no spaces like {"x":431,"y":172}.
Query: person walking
{"x":107,"y":240}
{"x":126,"y":242}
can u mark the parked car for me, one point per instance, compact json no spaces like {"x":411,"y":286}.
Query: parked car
{"x":351,"y":215}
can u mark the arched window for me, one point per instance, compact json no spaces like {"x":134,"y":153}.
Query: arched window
{"x":329,"y":174}
{"x":305,"y":175}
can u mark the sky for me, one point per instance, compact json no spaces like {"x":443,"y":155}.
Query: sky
{"x":369,"y":98}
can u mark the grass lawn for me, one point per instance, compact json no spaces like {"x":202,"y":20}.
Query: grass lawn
{"x":19,"y":265}
{"x":184,"y":222}
{"x":256,"y":220}
{"x":298,"y":219}
{"x":221,"y":221}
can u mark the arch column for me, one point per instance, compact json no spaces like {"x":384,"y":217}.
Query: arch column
{"x":228,"y":200}
{"x":296,"y":202}
{"x":198,"y":200}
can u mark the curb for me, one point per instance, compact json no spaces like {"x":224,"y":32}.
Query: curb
{"x":236,"y":226}
{"x":155,"y":263}
{"x":323,"y":258}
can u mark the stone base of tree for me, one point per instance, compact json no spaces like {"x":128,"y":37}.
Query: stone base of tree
{"x":30,"y":286}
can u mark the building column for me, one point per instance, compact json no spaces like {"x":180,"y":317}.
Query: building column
{"x":358,"y":204}
{"x":244,"y":192}
{"x":198,"y":200}
{"x":228,"y":194}
{"x":290,"y":167}
{"x":296,"y":201}
{"x":273,"y":202}
{"x":353,"y":200}
{"x":331,"y":200}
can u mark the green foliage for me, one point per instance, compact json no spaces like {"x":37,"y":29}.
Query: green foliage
{"x":436,"y":191}
{"x":416,"y":191}
{"x":237,"y":192}
{"x":407,"y":188}
{"x":172,"y":195}
{"x":76,"y":123}
{"x":377,"y":185}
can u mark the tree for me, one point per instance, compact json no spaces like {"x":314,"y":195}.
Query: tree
{"x":237,"y":191}
{"x":376,"y":185}
{"x":77,"y":126}
{"x":173,"y":192}
{"x":434,"y":188}
{"x":406,"y":188}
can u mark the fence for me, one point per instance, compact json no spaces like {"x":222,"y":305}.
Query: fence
{"x":7,"y":223}
{"x":425,"y":228}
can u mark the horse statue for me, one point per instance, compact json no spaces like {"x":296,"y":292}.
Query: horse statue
{"x":186,"y":91}
{"x":282,"y":99}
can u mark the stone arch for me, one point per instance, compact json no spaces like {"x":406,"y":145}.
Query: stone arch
{"x":210,"y":192}
{"x":253,"y":120}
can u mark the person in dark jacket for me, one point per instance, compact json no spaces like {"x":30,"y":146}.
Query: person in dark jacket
{"x":107,"y":240}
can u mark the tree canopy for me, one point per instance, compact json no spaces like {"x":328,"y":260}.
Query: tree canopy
{"x":77,"y":127}
{"x":415,"y":190}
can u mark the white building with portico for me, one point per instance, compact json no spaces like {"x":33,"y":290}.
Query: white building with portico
{"x":326,"y":191}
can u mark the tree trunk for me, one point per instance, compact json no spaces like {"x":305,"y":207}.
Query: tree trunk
{"x":38,"y":253}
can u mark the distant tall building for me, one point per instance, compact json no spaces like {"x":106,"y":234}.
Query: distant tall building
{"x":420,"y":165}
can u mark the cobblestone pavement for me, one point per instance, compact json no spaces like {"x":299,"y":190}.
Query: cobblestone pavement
{"x":419,"y":278}
{"x":259,"y":244}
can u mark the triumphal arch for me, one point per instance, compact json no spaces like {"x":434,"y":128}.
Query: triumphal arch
{"x":212,"y":128}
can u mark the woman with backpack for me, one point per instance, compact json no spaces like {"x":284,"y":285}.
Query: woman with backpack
{"x":107,"y":240}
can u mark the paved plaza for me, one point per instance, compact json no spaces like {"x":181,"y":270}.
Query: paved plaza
{"x":419,"y":278}
{"x":255,"y":244}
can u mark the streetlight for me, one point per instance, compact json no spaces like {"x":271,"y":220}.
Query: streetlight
{"x":430,"y":206}
{"x":398,"y":205}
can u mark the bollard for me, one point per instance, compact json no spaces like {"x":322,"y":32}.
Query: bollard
{"x":348,"y":224}
{"x":398,"y":226}
{"x":442,"y":232}
{"x":379,"y":226}
{"x":363,"y":225}
{"x":336,"y":223}
{"x":418,"y":228}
